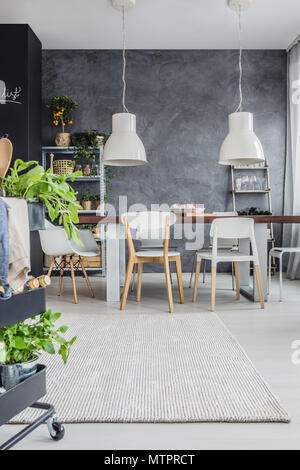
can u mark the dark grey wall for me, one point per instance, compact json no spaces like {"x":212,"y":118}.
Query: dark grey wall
{"x":182,"y":100}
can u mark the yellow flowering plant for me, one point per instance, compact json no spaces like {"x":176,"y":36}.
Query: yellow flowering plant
{"x":62,"y":108}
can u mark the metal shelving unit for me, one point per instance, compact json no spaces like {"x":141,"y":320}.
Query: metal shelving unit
{"x":267,"y":191}
{"x":70,"y":151}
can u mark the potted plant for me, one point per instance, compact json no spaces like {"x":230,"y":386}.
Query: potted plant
{"x":97,"y":201}
{"x":86,"y":144}
{"x":87,"y":200}
{"x":62,"y":108}
{"x":22,"y":343}
{"x":29,"y":180}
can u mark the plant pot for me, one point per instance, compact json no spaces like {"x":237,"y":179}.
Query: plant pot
{"x":87,"y":205}
{"x":97,"y":205}
{"x":36,"y":216}
{"x":86,"y":170}
{"x":63,"y":139}
{"x":13,"y":375}
{"x":100,"y":140}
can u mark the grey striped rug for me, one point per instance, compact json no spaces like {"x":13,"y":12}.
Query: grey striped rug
{"x":156,"y":368}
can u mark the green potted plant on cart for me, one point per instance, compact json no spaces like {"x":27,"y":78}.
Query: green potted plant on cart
{"x":62,"y":109}
{"x":21,"y":345}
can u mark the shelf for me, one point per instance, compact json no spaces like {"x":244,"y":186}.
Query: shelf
{"x":252,"y":191}
{"x":68,"y":150}
{"x":243,"y":168}
{"x":22,"y":306}
{"x":93,"y":211}
{"x":79,"y":179}
{"x":23,"y":395}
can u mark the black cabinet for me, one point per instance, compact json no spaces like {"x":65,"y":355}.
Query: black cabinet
{"x":20,"y":90}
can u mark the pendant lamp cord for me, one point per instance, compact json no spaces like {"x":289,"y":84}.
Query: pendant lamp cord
{"x":240,"y":107}
{"x":125,"y":110}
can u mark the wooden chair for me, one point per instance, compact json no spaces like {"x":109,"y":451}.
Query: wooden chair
{"x":162,"y":221}
{"x":229,"y":228}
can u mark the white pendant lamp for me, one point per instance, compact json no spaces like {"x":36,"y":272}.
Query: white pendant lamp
{"x":124,"y":147}
{"x":241,"y":146}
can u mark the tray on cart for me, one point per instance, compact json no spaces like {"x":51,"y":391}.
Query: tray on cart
{"x":22,"y":306}
{"x":23,"y":395}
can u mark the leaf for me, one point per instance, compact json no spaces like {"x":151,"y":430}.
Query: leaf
{"x":63,"y":329}
{"x":72,"y":341}
{"x":49,"y":348}
{"x":54,"y":317}
{"x":19,"y":343}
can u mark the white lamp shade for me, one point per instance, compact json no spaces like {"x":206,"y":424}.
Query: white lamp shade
{"x":241,"y":146}
{"x":124,"y":147}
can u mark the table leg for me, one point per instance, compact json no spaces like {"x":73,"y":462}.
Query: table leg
{"x":113,"y":291}
{"x":122,"y":245}
{"x":248,"y":284}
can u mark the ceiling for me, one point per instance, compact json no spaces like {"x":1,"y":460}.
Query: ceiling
{"x":156,"y":24}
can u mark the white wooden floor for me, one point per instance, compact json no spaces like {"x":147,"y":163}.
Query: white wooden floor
{"x":266,"y":336}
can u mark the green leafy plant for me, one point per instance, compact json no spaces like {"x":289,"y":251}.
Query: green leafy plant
{"x":29,"y":180}
{"x":24,"y":341}
{"x":88,"y":196}
{"x":86,"y":144}
{"x":62,"y":108}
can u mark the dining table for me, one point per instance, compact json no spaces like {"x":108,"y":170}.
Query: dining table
{"x":116,"y":249}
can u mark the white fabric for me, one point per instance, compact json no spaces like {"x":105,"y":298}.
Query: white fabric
{"x":155,"y":368}
{"x":155,"y":253}
{"x":19,"y":242}
{"x":292,"y":178}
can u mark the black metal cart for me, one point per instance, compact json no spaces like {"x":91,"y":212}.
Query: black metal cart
{"x":26,"y":394}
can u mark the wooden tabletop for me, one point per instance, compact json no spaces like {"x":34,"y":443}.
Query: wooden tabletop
{"x":208,"y":219}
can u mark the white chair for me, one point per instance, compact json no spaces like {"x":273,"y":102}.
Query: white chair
{"x":228,"y":245}
{"x":278,"y":254}
{"x":229,"y":228}
{"x":55,"y":243}
{"x":157,"y":224}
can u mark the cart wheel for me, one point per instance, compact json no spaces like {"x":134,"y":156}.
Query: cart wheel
{"x":59,"y":431}
{"x":56,"y":430}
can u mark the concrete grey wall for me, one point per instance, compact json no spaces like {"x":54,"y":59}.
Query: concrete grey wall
{"x":182,"y":100}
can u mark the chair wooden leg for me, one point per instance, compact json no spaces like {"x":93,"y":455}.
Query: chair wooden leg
{"x":169,"y":285}
{"x":61,"y":275}
{"x":73,"y":281}
{"x":179,"y":279}
{"x":237,"y":280}
{"x":51,"y":267}
{"x":139,"y":283}
{"x":259,"y":285}
{"x":213,"y":287}
{"x":198,"y":267}
{"x":86,"y":276}
{"x":130,"y":267}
